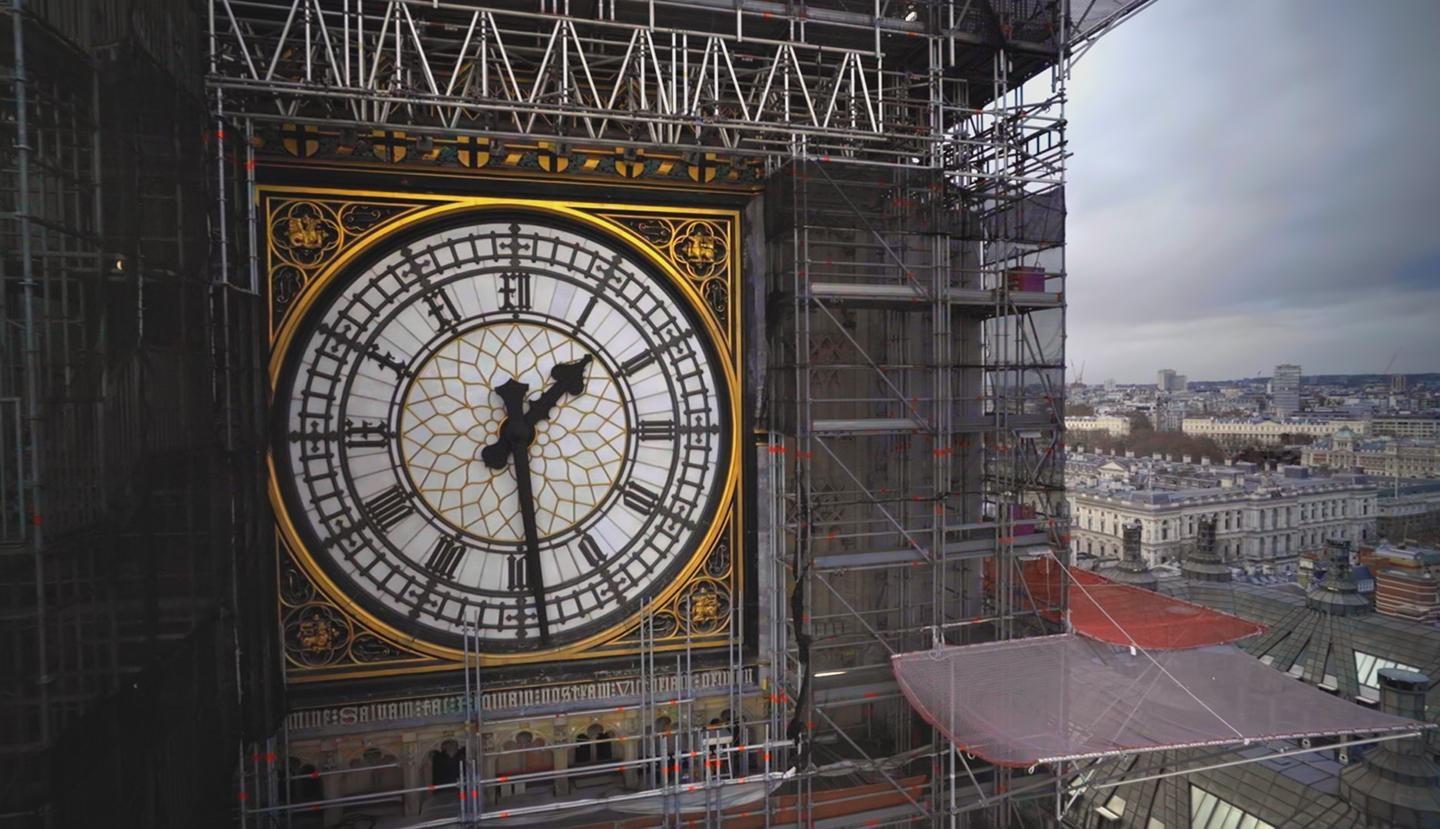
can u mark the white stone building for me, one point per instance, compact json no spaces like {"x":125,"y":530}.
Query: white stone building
{"x":1263,"y":521}
{"x":1385,"y":456}
{"x":1113,"y":424}
{"x":1241,"y":432}
{"x":1407,"y":426}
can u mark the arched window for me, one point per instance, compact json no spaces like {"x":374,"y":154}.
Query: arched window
{"x":445,"y":763}
{"x":593,"y":746}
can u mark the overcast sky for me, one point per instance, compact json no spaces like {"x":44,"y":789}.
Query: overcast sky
{"x":1257,"y":182}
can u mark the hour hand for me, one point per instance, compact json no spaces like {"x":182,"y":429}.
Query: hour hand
{"x":567,"y":378}
{"x":515,"y":431}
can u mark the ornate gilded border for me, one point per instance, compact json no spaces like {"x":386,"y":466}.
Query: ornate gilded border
{"x":310,"y":235}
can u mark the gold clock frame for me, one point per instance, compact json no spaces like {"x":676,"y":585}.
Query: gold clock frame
{"x":312,"y":235}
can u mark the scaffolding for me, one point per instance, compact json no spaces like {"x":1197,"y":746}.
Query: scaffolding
{"x":908,"y":341}
{"x":116,"y":540}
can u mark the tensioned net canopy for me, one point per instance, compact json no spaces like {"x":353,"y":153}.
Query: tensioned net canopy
{"x":1064,"y":697}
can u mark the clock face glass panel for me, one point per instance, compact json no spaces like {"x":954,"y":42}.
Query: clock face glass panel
{"x":402,"y":477}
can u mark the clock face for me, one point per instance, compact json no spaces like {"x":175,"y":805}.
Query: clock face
{"x":512,"y":423}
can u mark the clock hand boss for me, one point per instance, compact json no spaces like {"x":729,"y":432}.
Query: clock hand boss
{"x":569,"y":378}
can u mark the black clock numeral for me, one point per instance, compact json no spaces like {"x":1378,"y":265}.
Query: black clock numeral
{"x":515,"y":292}
{"x":366,"y":434}
{"x":516,"y":574}
{"x":591,"y":551}
{"x":440,"y":307}
{"x":389,"y":507}
{"x":445,"y":556}
{"x":636,"y":363}
{"x":585,"y":314}
{"x":656,"y":430}
{"x":640,"y":499}
{"x":384,"y":358}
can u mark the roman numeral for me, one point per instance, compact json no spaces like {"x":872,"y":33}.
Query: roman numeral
{"x":389,"y":507}
{"x":366,"y":434}
{"x":591,"y":551}
{"x":441,"y":308}
{"x":384,"y":358}
{"x":636,"y":363}
{"x":515,"y":292}
{"x":585,"y":314}
{"x":640,"y":499}
{"x":656,"y":430}
{"x":445,"y":557}
{"x":517,"y":577}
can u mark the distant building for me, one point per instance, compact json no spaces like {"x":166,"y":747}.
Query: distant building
{"x":1387,"y":457}
{"x":1169,"y":414}
{"x":1285,"y":390}
{"x":1424,"y":427}
{"x":1166,"y":380}
{"x":1409,"y":510}
{"x":1112,"y":424}
{"x":1238,"y":433}
{"x":1406,"y":586}
{"x":1263,"y":521}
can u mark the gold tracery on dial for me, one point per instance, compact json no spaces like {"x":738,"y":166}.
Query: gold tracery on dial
{"x":451,"y":413}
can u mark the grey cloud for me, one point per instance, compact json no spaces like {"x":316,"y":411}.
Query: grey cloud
{"x":1257,"y":182}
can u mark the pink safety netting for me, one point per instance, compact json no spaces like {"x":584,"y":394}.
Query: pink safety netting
{"x":1052,"y":698}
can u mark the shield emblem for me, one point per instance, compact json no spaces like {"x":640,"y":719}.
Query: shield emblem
{"x":550,"y":160}
{"x":472,"y":151}
{"x":300,"y":140}
{"x":389,"y":145}
{"x":629,"y":167}
{"x":704,"y":168}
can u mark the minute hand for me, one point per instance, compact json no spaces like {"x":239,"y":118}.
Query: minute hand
{"x":569,"y":379}
{"x":534,"y":577}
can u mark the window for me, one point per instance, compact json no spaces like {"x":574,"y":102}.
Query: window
{"x":1367,"y":671}
{"x":1113,"y":809}
{"x":1208,"y":811}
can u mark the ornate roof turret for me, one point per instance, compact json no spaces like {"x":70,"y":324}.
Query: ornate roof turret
{"x":1337,"y":592}
{"x":1204,"y":562}
{"x":1132,"y":569}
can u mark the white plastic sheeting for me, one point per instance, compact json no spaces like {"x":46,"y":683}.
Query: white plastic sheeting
{"x":1052,"y":698}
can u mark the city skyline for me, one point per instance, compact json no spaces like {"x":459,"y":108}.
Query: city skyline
{"x":1091,"y":379}
{"x":1245,"y":216}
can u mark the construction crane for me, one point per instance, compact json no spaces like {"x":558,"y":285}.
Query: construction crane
{"x":1391,"y":378}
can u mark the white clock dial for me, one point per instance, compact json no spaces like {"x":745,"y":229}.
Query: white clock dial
{"x":395,"y":390}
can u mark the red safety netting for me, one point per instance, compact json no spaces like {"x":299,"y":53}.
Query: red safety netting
{"x":1053,"y":698}
{"x":1123,"y":614}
